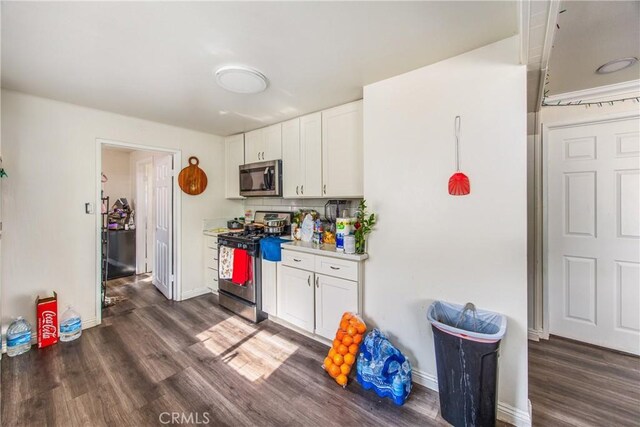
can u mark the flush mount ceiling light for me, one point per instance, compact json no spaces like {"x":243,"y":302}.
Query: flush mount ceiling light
{"x":241,"y":79}
{"x":616,"y":65}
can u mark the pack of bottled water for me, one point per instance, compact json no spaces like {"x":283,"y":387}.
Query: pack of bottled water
{"x":70,"y":325}
{"x":18,"y":337}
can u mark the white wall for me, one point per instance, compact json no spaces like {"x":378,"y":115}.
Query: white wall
{"x":50,"y":151}
{"x":116,"y":166}
{"x":429,"y":245}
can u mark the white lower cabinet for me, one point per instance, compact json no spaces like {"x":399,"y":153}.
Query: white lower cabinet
{"x":312,"y":300}
{"x":295,"y":297}
{"x":333,"y":297}
{"x":269,"y":277}
{"x":211,"y":263}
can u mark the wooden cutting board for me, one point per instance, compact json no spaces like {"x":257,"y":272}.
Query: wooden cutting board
{"x":192,"y":179}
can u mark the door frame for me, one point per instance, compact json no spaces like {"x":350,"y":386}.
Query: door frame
{"x":177,"y":216}
{"x":541,"y":292}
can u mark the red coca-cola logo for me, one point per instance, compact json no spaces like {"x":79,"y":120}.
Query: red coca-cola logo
{"x":49,"y":328}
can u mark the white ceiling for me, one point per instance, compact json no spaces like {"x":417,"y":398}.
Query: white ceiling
{"x":155,"y":60}
{"x":592,"y":33}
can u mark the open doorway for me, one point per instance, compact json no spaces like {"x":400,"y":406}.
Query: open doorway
{"x":138,"y":220}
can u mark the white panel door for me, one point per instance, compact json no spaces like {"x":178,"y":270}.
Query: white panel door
{"x":253,"y":146}
{"x":342,"y":167}
{"x":291,"y":164}
{"x":233,"y":158}
{"x":333,"y":297}
{"x":163,"y":197}
{"x":295,"y":297}
{"x":272,"y":137}
{"x":311,"y":155}
{"x":593,"y":235}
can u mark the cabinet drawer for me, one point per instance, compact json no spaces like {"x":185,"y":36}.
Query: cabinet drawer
{"x":298,"y":260}
{"x":337,"y":268}
{"x":211,"y":242}
{"x":211,"y":279}
{"x":211,"y":258}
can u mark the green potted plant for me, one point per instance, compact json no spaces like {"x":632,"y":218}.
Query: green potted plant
{"x":364,"y":225}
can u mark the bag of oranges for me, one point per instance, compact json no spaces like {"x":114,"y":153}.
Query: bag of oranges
{"x":342,"y":355}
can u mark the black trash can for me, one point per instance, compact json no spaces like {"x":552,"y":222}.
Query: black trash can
{"x":466,"y":342}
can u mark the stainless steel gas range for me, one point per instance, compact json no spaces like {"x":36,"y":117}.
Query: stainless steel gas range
{"x":246,"y":299}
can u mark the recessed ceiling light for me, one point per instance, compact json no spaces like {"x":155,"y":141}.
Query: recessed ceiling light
{"x":241,"y":79}
{"x":616,"y":65}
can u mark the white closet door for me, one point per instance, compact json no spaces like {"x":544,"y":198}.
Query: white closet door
{"x":593,"y":234}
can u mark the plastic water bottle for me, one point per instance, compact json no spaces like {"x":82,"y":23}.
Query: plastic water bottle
{"x":70,"y":325}
{"x":18,"y":337}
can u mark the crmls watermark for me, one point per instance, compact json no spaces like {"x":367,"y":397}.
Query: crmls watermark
{"x":190,"y":418}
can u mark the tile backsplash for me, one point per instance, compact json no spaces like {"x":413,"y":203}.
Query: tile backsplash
{"x":277,"y":204}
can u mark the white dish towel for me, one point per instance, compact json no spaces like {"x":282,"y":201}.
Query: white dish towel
{"x":225,"y":263}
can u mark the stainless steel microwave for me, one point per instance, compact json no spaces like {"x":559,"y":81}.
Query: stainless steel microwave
{"x":263,"y":179}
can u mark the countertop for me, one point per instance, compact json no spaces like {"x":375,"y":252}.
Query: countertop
{"x":214,"y":232}
{"x":324,"y":250}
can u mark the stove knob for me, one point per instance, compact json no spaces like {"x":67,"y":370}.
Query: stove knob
{"x":244,"y":246}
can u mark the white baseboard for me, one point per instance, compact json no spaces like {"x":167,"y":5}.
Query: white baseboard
{"x":533,"y":335}
{"x":194,"y":293}
{"x":506,"y":413}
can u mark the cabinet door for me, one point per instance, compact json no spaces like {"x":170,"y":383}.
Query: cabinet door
{"x":272,"y":142}
{"x":234,"y":157}
{"x":342,"y":170}
{"x":295,"y":297}
{"x":311,"y":155}
{"x":253,"y":146}
{"x":291,"y":166}
{"x":333,"y":297}
{"x":269,"y":278}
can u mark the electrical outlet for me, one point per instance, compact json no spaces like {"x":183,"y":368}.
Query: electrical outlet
{"x":88,"y":208}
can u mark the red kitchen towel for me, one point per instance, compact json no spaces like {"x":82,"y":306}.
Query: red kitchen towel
{"x":241,"y":266}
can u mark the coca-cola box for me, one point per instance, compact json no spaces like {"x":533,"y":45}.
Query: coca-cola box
{"x":47,"y":312}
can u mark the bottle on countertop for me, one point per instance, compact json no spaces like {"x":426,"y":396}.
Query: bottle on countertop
{"x":18,"y":337}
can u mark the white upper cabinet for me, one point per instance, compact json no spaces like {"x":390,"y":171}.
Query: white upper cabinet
{"x":342,"y":165}
{"x":272,"y":149}
{"x":311,"y":155}
{"x":263,"y":144}
{"x":234,"y":157}
{"x":291,"y":165}
{"x":302,"y":156}
{"x":253,"y":146}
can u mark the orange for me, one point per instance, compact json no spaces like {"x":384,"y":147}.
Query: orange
{"x":353,"y":349}
{"x":347,"y":340}
{"x":340,"y":334}
{"x":343,"y":349}
{"x":345,"y":369}
{"x":353,"y":321}
{"x":327,"y":363}
{"x":351,"y":330}
{"x":342,"y":380}
{"x":347,"y":316}
{"x":336,"y":343}
{"x":334,"y":371}
{"x":332,"y":352}
{"x":357,"y":338}
{"x":344,"y":325}
{"x":338,"y":360}
{"x":361,"y":328}
{"x":349,"y":359}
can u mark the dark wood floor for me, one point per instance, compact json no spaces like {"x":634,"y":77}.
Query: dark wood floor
{"x":575,"y":384}
{"x":151,"y":356}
